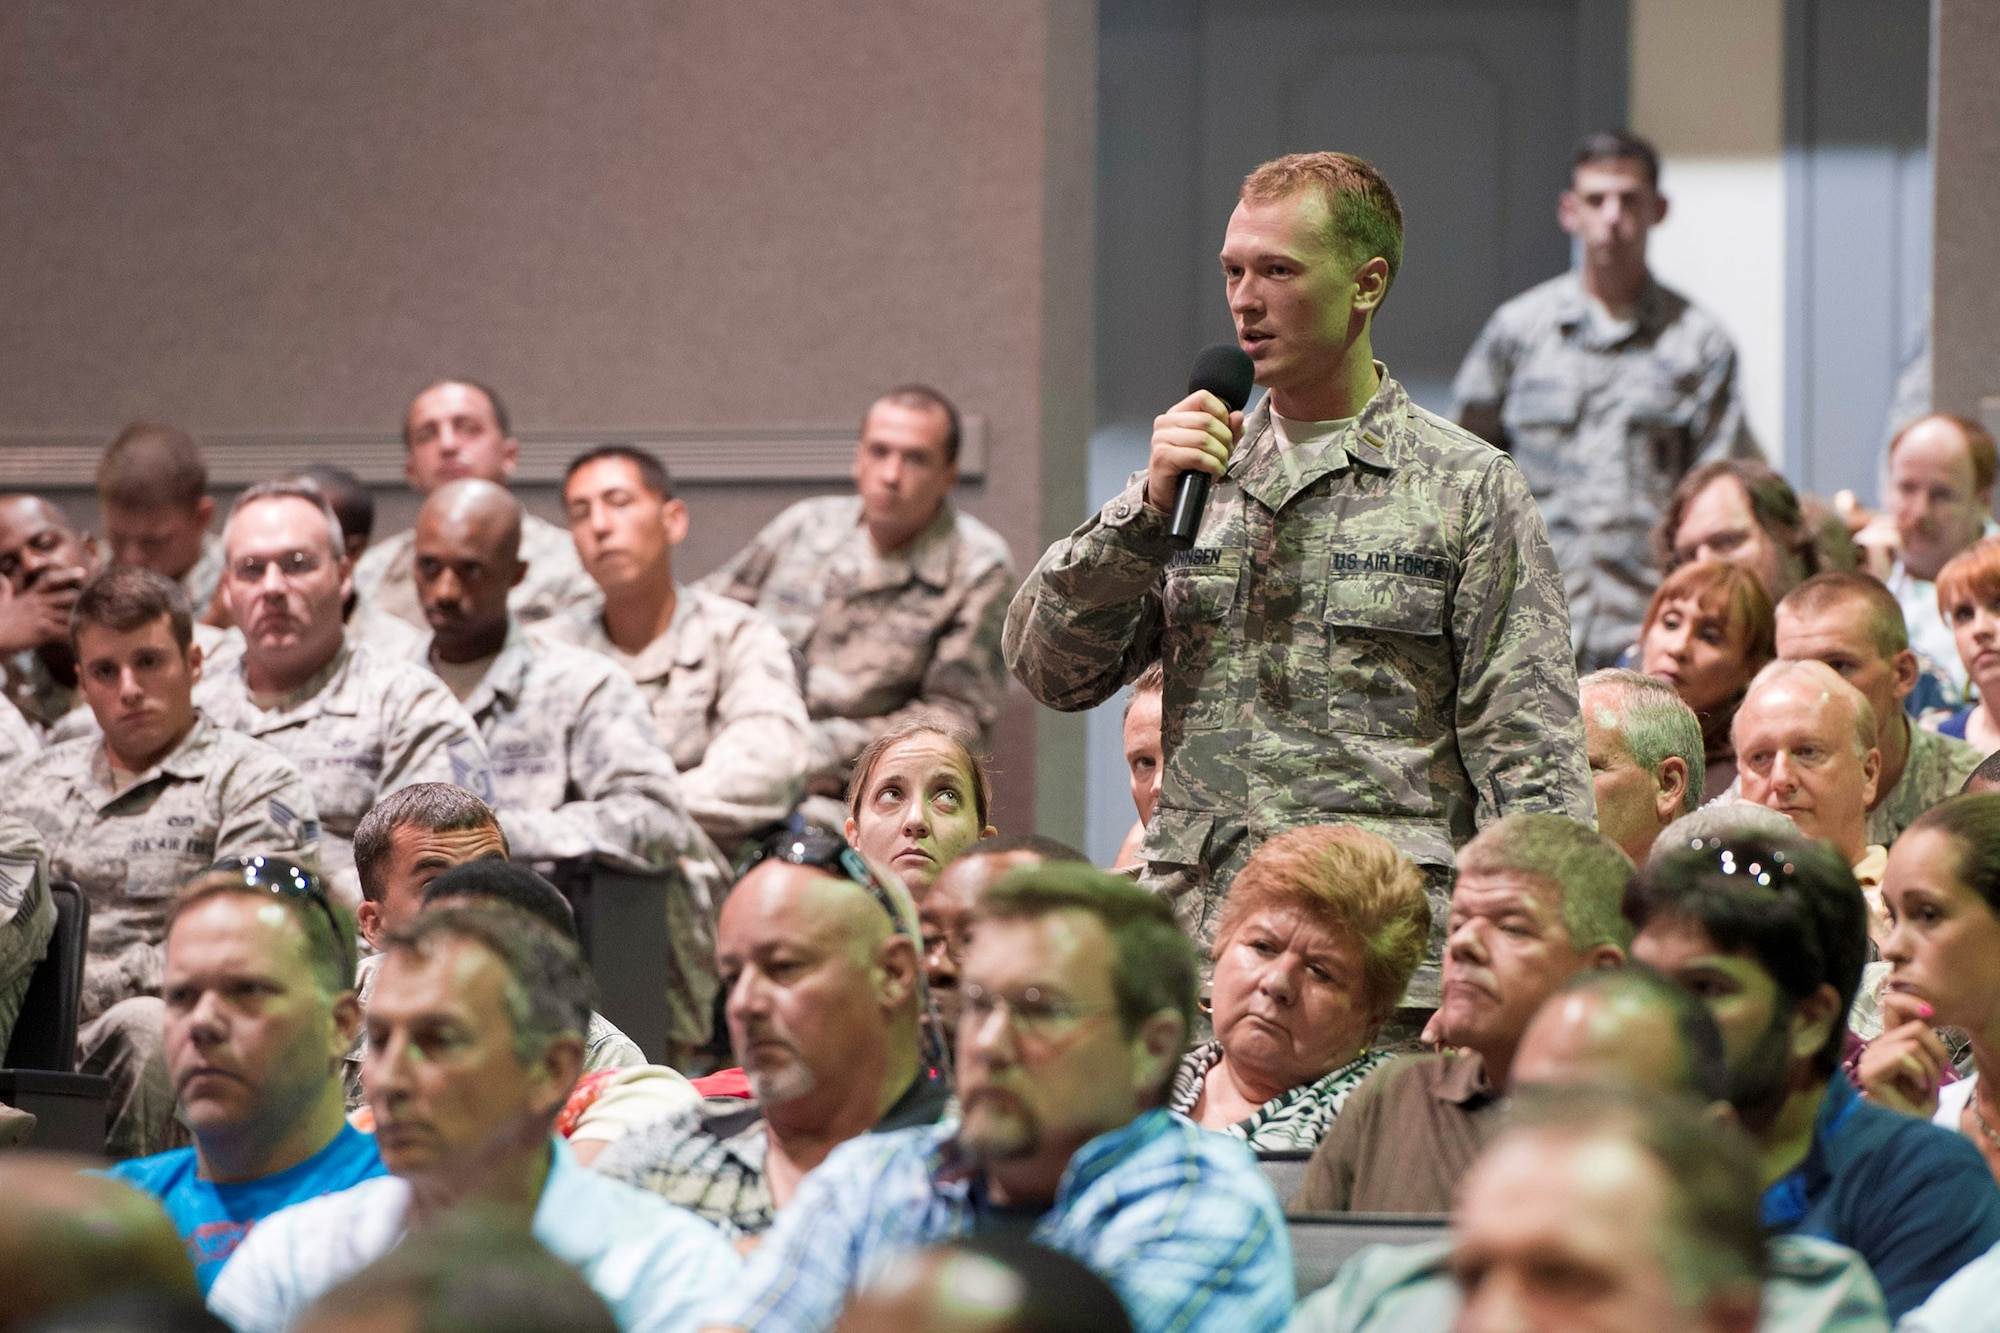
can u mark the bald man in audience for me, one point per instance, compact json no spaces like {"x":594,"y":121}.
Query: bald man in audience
{"x":1633,"y":1032}
{"x":152,"y":489}
{"x":67,"y":1238}
{"x":1853,"y":624}
{"x":453,"y":430}
{"x":1806,"y":747}
{"x":825,"y":1004}
{"x":44,"y":560}
{"x":1645,"y":754}
{"x":721,"y":680}
{"x":358,"y":723}
{"x":1538,"y":900}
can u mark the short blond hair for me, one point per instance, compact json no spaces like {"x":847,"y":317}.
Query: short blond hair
{"x":1363,"y":219}
{"x":1348,"y":881}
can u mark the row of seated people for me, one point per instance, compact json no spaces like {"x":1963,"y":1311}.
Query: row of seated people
{"x":1062,"y":1103}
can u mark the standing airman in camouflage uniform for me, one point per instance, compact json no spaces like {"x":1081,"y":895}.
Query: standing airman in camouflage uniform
{"x":721,"y":680}
{"x":133,"y":814}
{"x":44,"y":560}
{"x":454,"y":429}
{"x":578,"y":770}
{"x":1606,"y":388}
{"x":1369,"y":628}
{"x":27,"y":915}
{"x":358,"y":724}
{"x":895,"y":599}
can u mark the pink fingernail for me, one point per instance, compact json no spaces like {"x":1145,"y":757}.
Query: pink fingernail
{"x":1925,"y":1010}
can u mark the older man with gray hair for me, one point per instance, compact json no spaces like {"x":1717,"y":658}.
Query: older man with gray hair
{"x":1539,"y":899}
{"x":1645,"y":748}
{"x":357,"y":723}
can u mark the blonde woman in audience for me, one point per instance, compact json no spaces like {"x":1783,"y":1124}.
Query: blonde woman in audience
{"x":1709,"y":629}
{"x":1942,"y":894}
{"x":1321,"y":932}
{"x":1968,"y":591}
{"x":919,"y":796}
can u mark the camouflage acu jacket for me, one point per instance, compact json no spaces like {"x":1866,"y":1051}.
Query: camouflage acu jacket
{"x":1370,"y":632}
{"x":131,"y":846}
{"x":555,"y":581}
{"x":365,"y":726}
{"x":885,"y":637}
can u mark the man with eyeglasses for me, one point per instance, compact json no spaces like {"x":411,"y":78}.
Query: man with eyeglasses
{"x":456,"y":429}
{"x":133,"y":813}
{"x":359,"y":724}
{"x":825,"y":1009}
{"x":260,"y":1005}
{"x":1079,"y":990}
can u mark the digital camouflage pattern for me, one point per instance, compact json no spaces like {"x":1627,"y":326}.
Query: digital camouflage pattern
{"x":205,"y":575}
{"x":27,"y":915}
{"x":364,"y":726}
{"x":555,"y":581}
{"x":724,"y":693}
{"x":1604,"y":417}
{"x":18,"y":740}
{"x":131,"y":846}
{"x":886,"y":638}
{"x":1368,"y":631}
{"x":40,"y":698}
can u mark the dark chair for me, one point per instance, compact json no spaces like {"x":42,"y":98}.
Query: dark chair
{"x":1322,"y":1242}
{"x":45,"y":1034}
{"x":39,"y":1073}
{"x":1286,"y":1170}
{"x":621,"y":926}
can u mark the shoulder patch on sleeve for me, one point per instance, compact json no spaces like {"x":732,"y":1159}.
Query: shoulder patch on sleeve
{"x":468,"y":770}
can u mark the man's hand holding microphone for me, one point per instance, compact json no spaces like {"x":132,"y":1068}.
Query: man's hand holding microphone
{"x":1193,"y":439}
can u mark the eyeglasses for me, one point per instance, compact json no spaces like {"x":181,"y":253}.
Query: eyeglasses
{"x":288,"y":879}
{"x":1030,"y":1012}
{"x":824,"y":851}
{"x":291,"y":565}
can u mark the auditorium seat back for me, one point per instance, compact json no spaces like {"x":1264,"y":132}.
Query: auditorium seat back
{"x":1322,"y":1242}
{"x":1285,"y":1170}
{"x":45,"y":1034}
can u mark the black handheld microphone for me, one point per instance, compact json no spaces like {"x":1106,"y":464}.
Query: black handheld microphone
{"x":1225,"y":371}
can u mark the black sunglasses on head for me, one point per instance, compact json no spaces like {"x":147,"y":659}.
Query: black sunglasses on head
{"x":824,"y":851}
{"x":288,"y":879}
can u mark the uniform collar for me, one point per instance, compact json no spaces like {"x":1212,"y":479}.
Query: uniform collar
{"x":927,"y":559}
{"x":506,"y":677}
{"x":1650,"y":314}
{"x":319,"y":695}
{"x":1257,"y":468}
{"x":181,"y":762}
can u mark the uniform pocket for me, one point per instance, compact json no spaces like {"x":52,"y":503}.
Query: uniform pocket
{"x":1383,"y":631}
{"x":1540,"y":419}
{"x":1199,"y":604}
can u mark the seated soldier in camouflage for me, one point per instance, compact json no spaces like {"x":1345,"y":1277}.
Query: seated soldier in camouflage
{"x":721,"y":680}
{"x":132,"y":815}
{"x":825,"y":1006}
{"x":152,"y":488}
{"x":44,"y":560}
{"x":358,"y":723}
{"x":578,"y":770}
{"x":895,"y":598}
{"x":27,"y":916}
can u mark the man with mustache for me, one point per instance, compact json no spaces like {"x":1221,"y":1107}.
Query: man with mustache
{"x":260,"y":1007}
{"x":1079,"y":991}
{"x":1771,"y":934}
{"x":135,"y":811}
{"x":475,"y":1041}
{"x":824,"y":1008}
{"x":358,"y":723}
{"x":1537,"y":902}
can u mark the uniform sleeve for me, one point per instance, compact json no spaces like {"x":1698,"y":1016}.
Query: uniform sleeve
{"x":1719,"y":426}
{"x":742,"y":576}
{"x":372,"y":568}
{"x":1480,"y":390}
{"x":266,"y":809}
{"x":1520,"y":729}
{"x":428,"y":737}
{"x":754,"y":768}
{"x":966,"y":679}
{"x":1088,"y":619}
{"x":628,"y":812}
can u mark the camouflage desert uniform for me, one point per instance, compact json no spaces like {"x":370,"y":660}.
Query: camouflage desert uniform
{"x":1370,"y":631}
{"x":364,"y":726}
{"x":555,"y":581}
{"x":27,"y":915}
{"x":18,"y":740}
{"x":725,"y":696}
{"x":886,"y":638}
{"x":1936,"y":767}
{"x":36,"y":694}
{"x":1603,"y":417}
{"x":578,"y":771}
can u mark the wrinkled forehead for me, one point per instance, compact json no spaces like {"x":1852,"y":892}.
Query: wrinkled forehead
{"x":1496,"y":891}
{"x":1796,"y":710}
{"x":279,"y":523}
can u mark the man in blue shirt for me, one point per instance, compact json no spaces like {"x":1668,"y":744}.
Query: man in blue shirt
{"x":1772,"y":934}
{"x":260,"y":1007}
{"x":1078,"y":991}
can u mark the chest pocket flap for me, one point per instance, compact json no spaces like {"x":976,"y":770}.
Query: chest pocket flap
{"x":1385,"y":637}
